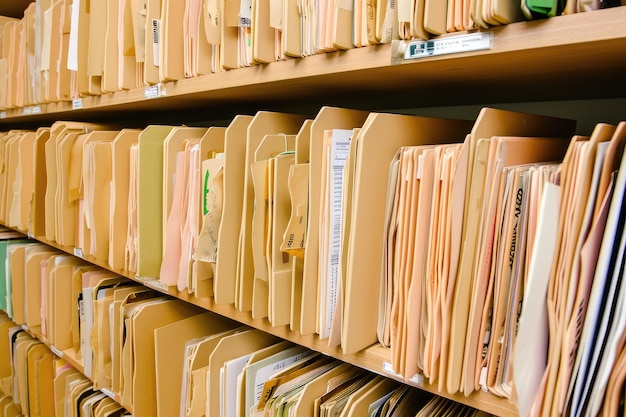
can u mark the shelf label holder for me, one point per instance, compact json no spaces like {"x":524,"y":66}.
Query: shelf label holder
{"x":154,"y":91}
{"x":402,"y":51}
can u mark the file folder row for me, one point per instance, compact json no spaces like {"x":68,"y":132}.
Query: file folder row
{"x":37,"y":383}
{"x":162,"y":357}
{"x":66,"y":49}
{"x":422,"y":234}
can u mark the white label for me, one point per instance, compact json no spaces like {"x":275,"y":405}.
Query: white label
{"x":27,"y":110}
{"x":154,"y":91}
{"x":154,"y":283}
{"x":156,"y":35}
{"x":25,"y":327}
{"x":77,"y":104}
{"x":56,"y":351}
{"x":449,"y":45}
{"x":3,"y":115}
{"x":78,"y":252}
{"x":36,"y":109}
{"x":417,"y":380}
{"x":387,"y":367}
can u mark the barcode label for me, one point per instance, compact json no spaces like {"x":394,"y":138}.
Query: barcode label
{"x":78,"y":252}
{"x":449,"y":45}
{"x":154,"y":91}
{"x":3,"y":115}
{"x":36,"y":109}
{"x":77,"y":104}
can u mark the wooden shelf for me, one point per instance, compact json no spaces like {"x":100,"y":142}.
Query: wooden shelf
{"x":375,"y":358}
{"x":565,"y":57}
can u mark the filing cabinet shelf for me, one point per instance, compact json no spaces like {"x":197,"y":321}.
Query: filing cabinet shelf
{"x":374,"y":358}
{"x":529,"y":61}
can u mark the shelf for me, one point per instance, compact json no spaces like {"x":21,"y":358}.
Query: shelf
{"x":375,"y":358}
{"x":530,"y":61}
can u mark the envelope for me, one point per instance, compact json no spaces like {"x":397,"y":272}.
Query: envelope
{"x":170,"y":343}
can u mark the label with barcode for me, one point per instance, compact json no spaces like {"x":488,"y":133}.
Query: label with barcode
{"x":154,"y":91}
{"x":27,"y":110}
{"x":77,"y":104}
{"x":449,"y":45}
{"x":78,"y":252}
{"x":156,"y":35}
{"x":36,"y":109}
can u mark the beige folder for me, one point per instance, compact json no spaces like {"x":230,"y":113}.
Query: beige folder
{"x":169,"y":344}
{"x":60,"y":269}
{"x":262,"y":179}
{"x":139,"y":375}
{"x":435,"y":15}
{"x":63,"y":86}
{"x":508,"y":152}
{"x":11,"y":158}
{"x":171,"y":44}
{"x":292,"y":29}
{"x":150,"y":200}
{"x":365,"y":241}
{"x":120,"y":169}
{"x":24,"y":183}
{"x":327,"y":118}
{"x":210,"y":209}
{"x":263,"y":34}
{"x":36,"y":220}
{"x":16,"y":255}
{"x":490,"y":122}
{"x":111,"y":61}
{"x":33,"y":256}
{"x":262,"y":124}
{"x":40,"y":381}
{"x":231,"y":347}
{"x":229,"y":31}
{"x":89,"y":82}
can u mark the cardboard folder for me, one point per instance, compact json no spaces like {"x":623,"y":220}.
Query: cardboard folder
{"x":170,"y":343}
{"x":172,"y":66}
{"x":120,"y":170}
{"x":365,"y":245}
{"x":490,"y":122}
{"x":262,"y":124}
{"x":24,"y":183}
{"x":139,"y":375}
{"x":37,"y":207}
{"x":327,"y":118}
{"x":234,"y":174}
{"x":228,"y":348}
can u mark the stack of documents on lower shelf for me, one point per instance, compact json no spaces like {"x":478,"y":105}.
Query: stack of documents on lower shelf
{"x":67,"y":49}
{"x":36,"y":382}
{"x":450,"y":242}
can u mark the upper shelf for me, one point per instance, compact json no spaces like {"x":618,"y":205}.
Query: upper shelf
{"x":578,"y":56}
{"x":14,"y":8}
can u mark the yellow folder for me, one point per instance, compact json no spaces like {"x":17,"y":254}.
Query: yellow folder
{"x":150,"y":201}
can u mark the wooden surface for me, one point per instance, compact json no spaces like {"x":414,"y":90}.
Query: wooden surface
{"x":567,"y":57}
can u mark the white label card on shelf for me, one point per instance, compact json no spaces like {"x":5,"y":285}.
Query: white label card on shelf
{"x":78,"y":252}
{"x":449,"y":45}
{"x":27,"y":111}
{"x":416,"y":380}
{"x":36,"y":110}
{"x":77,"y":104}
{"x":154,"y":91}
{"x":154,"y":283}
{"x":3,"y":115}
